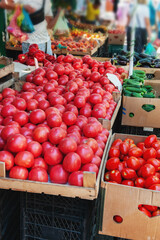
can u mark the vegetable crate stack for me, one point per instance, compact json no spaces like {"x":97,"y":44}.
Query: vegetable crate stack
{"x":6,"y":71}
{"x":9,"y":215}
{"x":55,"y":217}
{"x":141,"y":101}
{"x":130,"y":197}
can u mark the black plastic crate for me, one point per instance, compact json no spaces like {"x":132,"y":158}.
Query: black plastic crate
{"x":9,"y":215}
{"x":47,"y":217}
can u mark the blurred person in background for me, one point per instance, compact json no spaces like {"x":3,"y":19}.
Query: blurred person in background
{"x":139,"y":18}
{"x":122,"y":14}
{"x":154,"y":6}
{"x":41,"y":16}
{"x":93,"y":11}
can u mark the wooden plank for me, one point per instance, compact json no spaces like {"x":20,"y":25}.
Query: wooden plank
{"x":10,"y":47}
{"x":2,"y":170}
{"x":6,"y":84}
{"x":89,"y":179}
{"x":8,"y":68}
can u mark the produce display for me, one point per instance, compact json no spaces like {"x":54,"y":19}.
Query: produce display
{"x":140,"y":60}
{"x":51,"y":126}
{"x":135,"y":165}
{"x":135,"y":87}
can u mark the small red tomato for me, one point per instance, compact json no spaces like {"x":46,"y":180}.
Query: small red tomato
{"x":38,"y":174}
{"x":128,"y":183}
{"x":115,"y":175}
{"x":139,"y":182}
{"x":107,"y":176}
{"x":149,"y":153}
{"x":150,"y":140}
{"x":116,"y":143}
{"x":147,"y":170}
{"x":76,"y":178}
{"x":150,"y":181}
{"x":133,"y":163}
{"x":112,"y":163}
{"x":18,"y":172}
{"x":150,"y":208}
{"x":114,"y":152}
{"x":118,"y":219}
{"x":155,"y":162}
{"x":145,"y":211}
{"x":135,"y":152}
{"x":128,"y":173}
{"x":124,"y":148}
{"x":155,"y":187}
{"x":156,"y":213}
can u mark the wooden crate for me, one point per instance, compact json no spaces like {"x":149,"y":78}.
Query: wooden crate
{"x":108,"y":124}
{"x":89,"y":191}
{"x":117,"y":199}
{"x":8,"y":66}
{"x":79,"y":53}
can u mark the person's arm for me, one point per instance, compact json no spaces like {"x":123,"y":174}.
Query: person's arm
{"x":148,"y":27}
{"x":10,"y":5}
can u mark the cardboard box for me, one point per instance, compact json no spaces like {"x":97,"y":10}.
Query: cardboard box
{"x":123,"y":200}
{"x":134,"y":105}
{"x":89,"y":190}
{"x":116,"y":39}
{"x":108,"y":124}
{"x":152,"y":73}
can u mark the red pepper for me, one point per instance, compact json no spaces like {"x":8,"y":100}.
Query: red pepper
{"x":22,"y":58}
{"x":34,"y":45}
{"x":39,"y":55}
{"x":30,"y":62}
{"x":49,"y":57}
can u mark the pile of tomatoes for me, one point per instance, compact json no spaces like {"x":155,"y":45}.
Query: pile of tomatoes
{"x":49,"y":131}
{"x":136,"y":166}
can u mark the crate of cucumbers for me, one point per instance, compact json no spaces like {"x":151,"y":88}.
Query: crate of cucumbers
{"x":141,"y":101}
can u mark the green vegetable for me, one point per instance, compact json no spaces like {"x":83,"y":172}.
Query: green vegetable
{"x":148,"y":107}
{"x":149,"y":95}
{"x":133,"y":89}
{"x":134,"y":94}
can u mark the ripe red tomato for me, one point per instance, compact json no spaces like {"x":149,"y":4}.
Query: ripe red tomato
{"x":133,"y":163}
{"x":20,"y":103}
{"x":114,"y":152}
{"x":155,"y":162}
{"x":72,"y":162}
{"x":123,"y":147}
{"x":79,"y":101}
{"x":21,"y":117}
{"x":58,"y":174}
{"x":18,"y":172}
{"x":156,"y":144}
{"x":147,"y":170}
{"x":150,"y":208}
{"x":142,"y":161}
{"x":56,"y":135}
{"x":39,"y":162}
{"x":155,"y":187}
{"x":145,"y":211}
{"x":46,"y":146}
{"x":7,"y":158}
{"x":8,"y":131}
{"x":38,"y":174}
{"x":40,"y":134}
{"x":32,"y":104}
{"x":118,"y":219}
{"x":115,"y":175}
{"x":8,"y":110}
{"x":90,"y":130}
{"x":128,"y":173}
{"x":139,"y":182}
{"x":90,"y":167}
{"x":150,"y":140}
{"x":150,"y":181}
{"x":54,"y":120}
{"x":112,"y":163}
{"x":37,"y":116}
{"x":67,"y":145}
{"x":76,"y":178}
{"x":24,"y":159}
{"x":128,"y":183}
{"x":156,"y":213}
{"x":69,"y":118}
{"x":96,"y":160}
{"x":85,"y":152}
{"x":92,"y":143}
{"x":35,"y":148}
{"x":53,"y":156}
{"x":149,"y":153}
{"x":116,"y":143}
{"x":135,"y":152}
{"x":141,"y":145}
{"x":7,"y":92}
{"x":16,"y":143}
